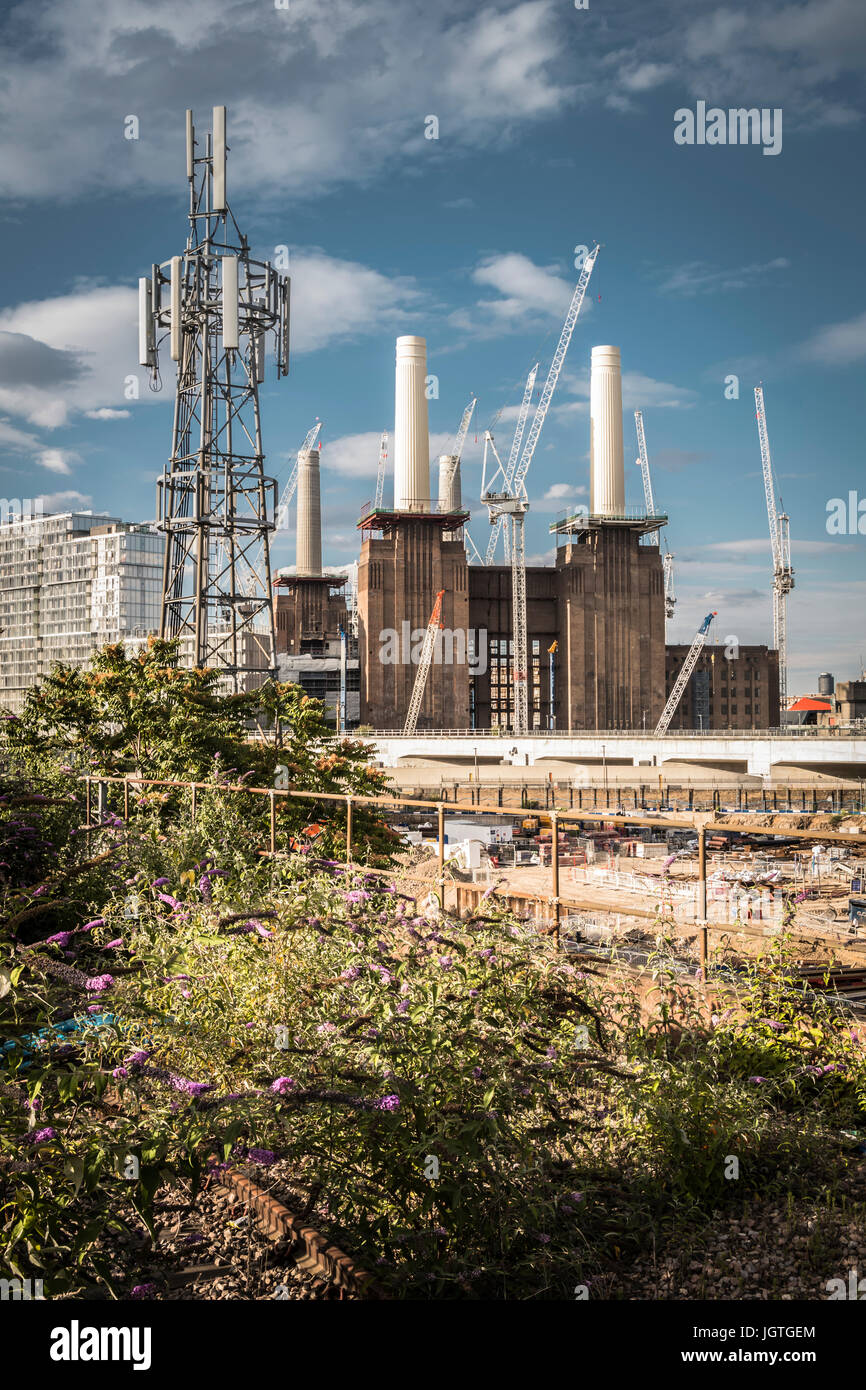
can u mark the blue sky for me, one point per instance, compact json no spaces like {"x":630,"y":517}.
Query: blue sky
{"x":556,"y":129}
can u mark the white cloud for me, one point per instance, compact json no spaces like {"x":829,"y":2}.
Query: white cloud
{"x":646,"y":76}
{"x":334,"y":300}
{"x":697,"y":277}
{"x":527,"y":294}
{"x":65,"y":501}
{"x":639,"y":392}
{"x":55,"y":460}
{"x":317,"y":94}
{"x":98,"y":326}
{"x":94,"y":327}
{"x":837,"y":344}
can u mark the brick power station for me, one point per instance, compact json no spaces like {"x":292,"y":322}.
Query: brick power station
{"x":602,"y":603}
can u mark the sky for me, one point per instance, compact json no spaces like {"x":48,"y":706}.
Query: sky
{"x":555,"y":128}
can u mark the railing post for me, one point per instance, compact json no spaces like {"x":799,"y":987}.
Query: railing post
{"x":272,"y":798}
{"x":704,"y":932}
{"x":702,"y":873}
{"x":194,"y":787}
{"x":441,"y":852}
{"x":554,"y":864}
{"x":101,"y":799}
{"x":348,"y":830}
{"x":87,"y":813}
{"x":126,"y":798}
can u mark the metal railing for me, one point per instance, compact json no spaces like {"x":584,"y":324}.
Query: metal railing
{"x":558,"y":817}
{"x":603,"y":735}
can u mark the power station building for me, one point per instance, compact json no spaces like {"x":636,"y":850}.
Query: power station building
{"x":597,"y":657}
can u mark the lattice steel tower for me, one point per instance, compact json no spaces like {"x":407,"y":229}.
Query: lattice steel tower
{"x":216,"y":506}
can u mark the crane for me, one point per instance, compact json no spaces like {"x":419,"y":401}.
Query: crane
{"x":649,"y":501}
{"x":508,"y":470}
{"x":380,"y":474}
{"x":457,"y":447}
{"x":424,"y":661}
{"x":780,"y":544}
{"x":512,"y":502}
{"x":682,"y":679}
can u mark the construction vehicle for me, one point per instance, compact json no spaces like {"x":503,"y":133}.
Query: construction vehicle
{"x":511,"y":501}
{"x":682,"y":679}
{"x":780,"y":545}
{"x":434,"y":625}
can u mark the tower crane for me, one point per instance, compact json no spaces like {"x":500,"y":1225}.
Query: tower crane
{"x":649,"y":501}
{"x":508,"y":469}
{"x":459,"y":442}
{"x":423,"y":671}
{"x":380,"y":472}
{"x":780,"y":544}
{"x":682,"y":679}
{"x":512,"y":502}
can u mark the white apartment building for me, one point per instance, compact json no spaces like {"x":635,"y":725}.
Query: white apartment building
{"x":69,"y":584}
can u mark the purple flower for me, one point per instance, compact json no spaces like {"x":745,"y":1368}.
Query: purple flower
{"x":159,"y":883}
{"x":372,"y":1033}
{"x":204,"y":887}
{"x":264,"y":1157}
{"x":327,"y":1028}
{"x":552,"y":1052}
{"x":387,"y":1103}
{"x":544,"y":1239}
{"x":352,"y":973}
{"x":135,"y":1059}
{"x":773,"y":1023}
{"x":446,"y":962}
{"x":487,"y":954}
{"x":97,"y":983}
{"x":61,"y":938}
{"x":174,"y":903}
{"x":113,"y":945}
{"x":88,"y":926}
{"x":473,"y":994}
{"x":385,"y":975}
{"x":119,"y":1073}
{"x":38,"y":892}
{"x":42,"y":1136}
{"x":477,"y":1073}
{"x":143,"y":1291}
{"x":756,"y":1080}
{"x":283,"y":1085}
{"x":357,"y":895}
{"x":257,"y":926}
{"x":403,"y":1006}
{"x":93,"y":1008}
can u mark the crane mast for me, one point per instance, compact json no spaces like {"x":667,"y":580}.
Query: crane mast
{"x":459,"y":442}
{"x":380,"y":472}
{"x":682,"y":679}
{"x":510,"y":466}
{"x":643,"y":464}
{"x":424,"y":665}
{"x":649,"y":502}
{"x":512,"y":503}
{"x":780,"y":545}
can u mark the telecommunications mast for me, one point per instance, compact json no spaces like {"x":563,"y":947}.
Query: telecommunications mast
{"x":216,"y":305}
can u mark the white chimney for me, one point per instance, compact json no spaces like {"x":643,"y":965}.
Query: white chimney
{"x":450,"y":493}
{"x":308,"y":551}
{"x":607,"y":469}
{"x":411,"y":436}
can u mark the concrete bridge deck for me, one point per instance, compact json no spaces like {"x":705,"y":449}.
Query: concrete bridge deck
{"x":796,"y":752}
